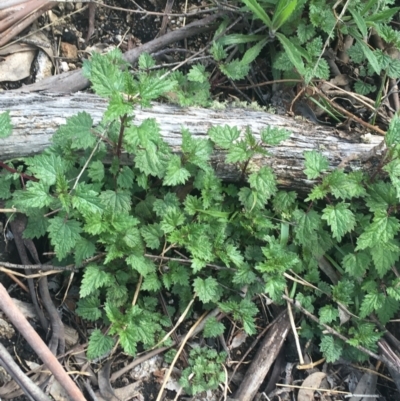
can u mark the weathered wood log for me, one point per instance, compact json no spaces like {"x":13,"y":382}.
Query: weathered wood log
{"x":37,"y":116}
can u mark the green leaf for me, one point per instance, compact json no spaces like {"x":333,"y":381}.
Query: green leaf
{"x":141,"y":264}
{"x":328,"y":314}
{"x":116,"y":201}
{"x":175,"y":174}
{"x":393,"y":134}
{"x":331,"y":348}
{"x":213,"y":328}
{"x":388,"y":310}
{"x":105,"y":73}
{"x":370,"y":303}
{"x":151,"y":283}
{"x":99,"y":344}
{"x":370,"y":56}
{"x":117,"y":108}
{"x":46,"y":167}
{"x":385,"y":255}
{"x":64,"y":234}
{"x":251,"y":54}
{"x":283,"y":11}
{"x":76,"y":133}
{"x":96,"y":171}
{"x":207,"y":290}
{"x":89,"y":308}
{"x":356,"y":264}
{"x":380,"y":231}
{"x":293,"y":53}
{"x":5,"y":125}
{"x":146,"y":61}
{"x":340,"y":219}
{"x":238,"y":38}
{"x":264,"y":182}
{"x":224,"y":136}
{"x":258,"y":11}
{"x":315,"y":163}
{"x":360,"y":21}
{"x":172,"y":219}
{"x":86,"y":201}
{"x":218,"y":52}
{"x":152,"y":234}
{"x":196,"y":151}
{"x":382,"y":16}
{"x":235,"y":69}
{"x":93,"y":278}
{"x":197,"y":74}
{"x":84,"y":249}
{"x":129,"y":339}
{"x":37,"y":226}
{"x":273,"y":136}
{"x":153,"y":88}
{"x":36,"y":195}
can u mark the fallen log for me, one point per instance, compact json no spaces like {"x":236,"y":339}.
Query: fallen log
{"x":36,"y":116}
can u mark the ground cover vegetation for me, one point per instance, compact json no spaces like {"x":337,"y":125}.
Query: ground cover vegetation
{"x":121,"y":224}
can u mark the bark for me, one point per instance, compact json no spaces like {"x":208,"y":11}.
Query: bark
{"x":263,"y":360}
{"x":37,"y":116}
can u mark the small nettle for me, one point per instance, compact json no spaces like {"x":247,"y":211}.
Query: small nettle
{"x":129,"y":221}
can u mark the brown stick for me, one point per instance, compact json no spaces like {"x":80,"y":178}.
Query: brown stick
{"x":264,"y":358}
{"x":33,"y":339}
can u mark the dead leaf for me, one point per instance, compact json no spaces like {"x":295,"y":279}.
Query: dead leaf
{"x":312,"y":381}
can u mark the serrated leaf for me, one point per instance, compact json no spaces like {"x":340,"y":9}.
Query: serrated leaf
{"x":213,"y":328}
{"x":340,"y":219}
{"x":315,"y":163}
{"x":104,"y":72}
{"x":207,"y":289}
{"x":96,"y":171}
{"x":197,"y":74}
{"x":328,"y":314}
{"x":274,"y":136}
{"x":330,"y":348}
{"x":235,"y":69}
{"x":146,"y":61}
{"x":99,"y":344}
{"x":152,"y":234}
{"x":84,"y":249}
{"x":89,"y":308}
{"x":93,"y":278}
{"x":35,"y":195}
{"x":356,"y":263}
{"x":175,"y":174}
{"x":116,"y":201}
{"x":224,"y":136}
{"x":86,"y":201}
{"x":64,"y":234}
{"x":76,"y":133}
{"x":129,"y":339}
{"x":264,"y":182}
{"x":46,"y":167}
{"x":380,"y":231}
{"x":141,"y":264}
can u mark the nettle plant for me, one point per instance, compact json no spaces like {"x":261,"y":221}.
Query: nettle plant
{"x":299,"y":32}
{"x":134,"y":235}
